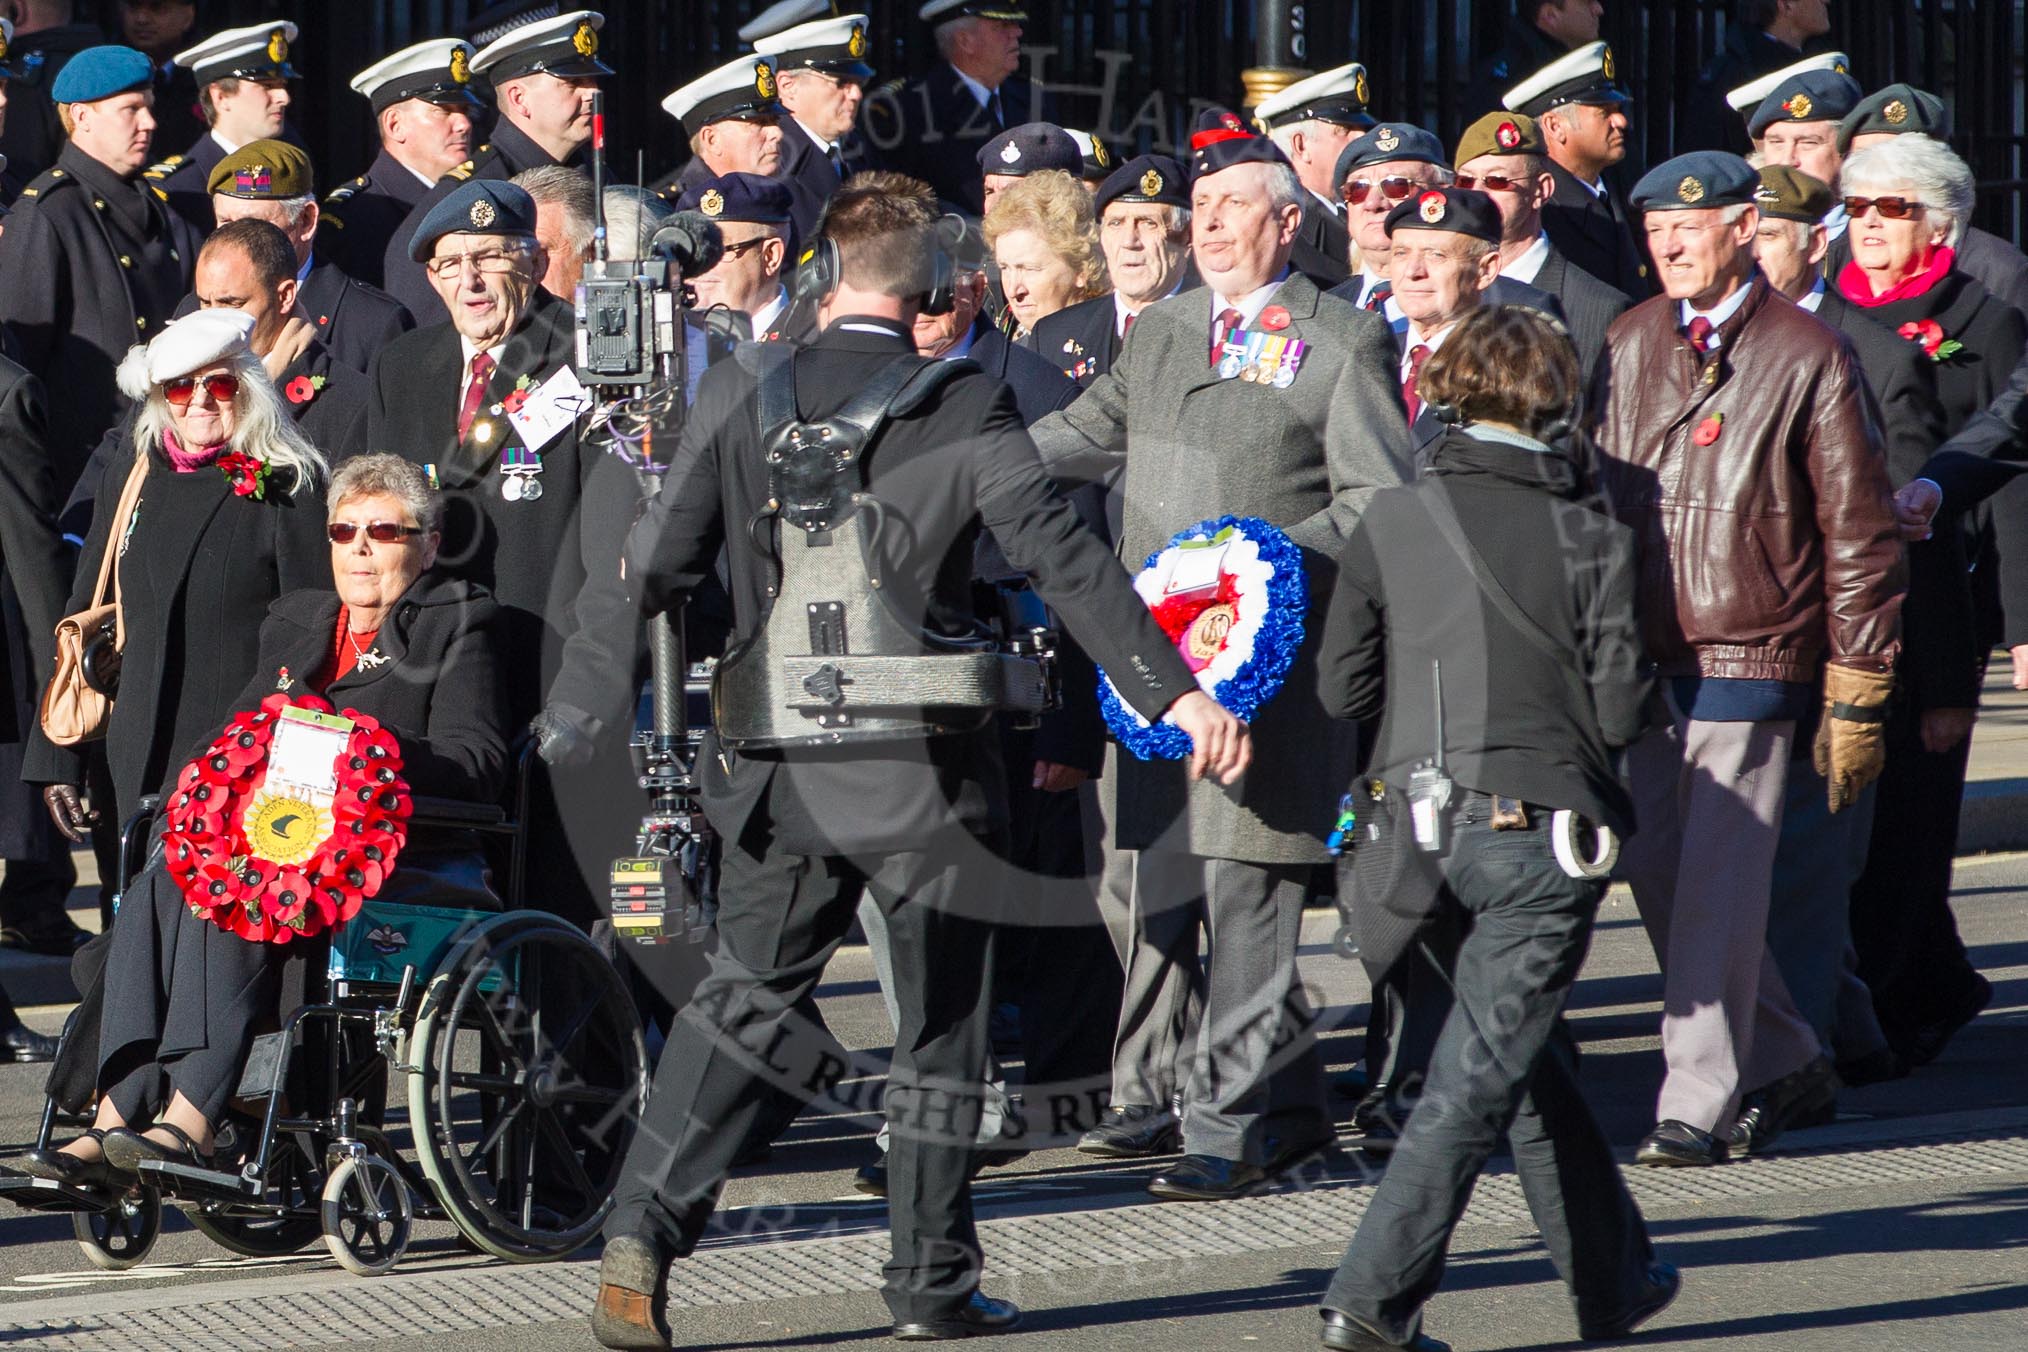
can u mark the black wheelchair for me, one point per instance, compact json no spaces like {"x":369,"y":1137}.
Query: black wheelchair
{"x":520,"y":1059}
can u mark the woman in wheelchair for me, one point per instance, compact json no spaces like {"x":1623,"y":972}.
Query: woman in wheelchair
{"x":184,"y":999}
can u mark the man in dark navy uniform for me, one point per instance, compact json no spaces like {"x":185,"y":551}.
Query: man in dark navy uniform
{"x":933,"y":128}
{"x":40,"y":38}
{"x":242,"y":79}
{"x":425,"y":109}
{"x":733,"y":120}
{"x":1582,"y":113}
{"x":820,"y":79}
{"x":1538,"y":32}
{"x":271,"y":181}
{"x":1313,"y":120}
{"x":1144,"y":228}
{"x":544,"y":74}
{"x":94,"y":259}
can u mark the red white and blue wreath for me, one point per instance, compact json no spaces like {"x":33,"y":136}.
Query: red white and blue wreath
{"x":1230,"y":593}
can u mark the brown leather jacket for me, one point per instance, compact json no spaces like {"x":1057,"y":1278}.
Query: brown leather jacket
{"x":1773,"y":546}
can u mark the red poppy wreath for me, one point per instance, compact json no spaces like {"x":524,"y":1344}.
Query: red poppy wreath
{"x":273,"y":862}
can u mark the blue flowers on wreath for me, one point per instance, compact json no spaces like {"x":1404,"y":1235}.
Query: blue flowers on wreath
{"x":1231,"y":593}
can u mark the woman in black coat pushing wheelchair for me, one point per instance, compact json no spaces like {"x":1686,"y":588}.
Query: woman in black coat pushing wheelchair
{"x":184,"y":998}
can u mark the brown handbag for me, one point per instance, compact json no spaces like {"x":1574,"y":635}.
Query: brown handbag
{"x":79,"y":700}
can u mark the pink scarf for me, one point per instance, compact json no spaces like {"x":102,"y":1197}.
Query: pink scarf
{"x":1857,"y":287}
{"x":188,"y":462}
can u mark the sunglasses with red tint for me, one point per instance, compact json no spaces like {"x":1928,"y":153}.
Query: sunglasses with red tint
{"x":380,"y":532}
{"x":1492,"y":183}
{"x":222,"y":388}
{"x":1393,"y":189}
{"x":1891,"y":208}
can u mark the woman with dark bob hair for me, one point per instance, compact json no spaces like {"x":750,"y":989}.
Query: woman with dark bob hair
{"x":183,"y":998}
{"x":1496,"y":584}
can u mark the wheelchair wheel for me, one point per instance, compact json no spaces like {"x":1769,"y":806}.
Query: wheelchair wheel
{"x":120,"y":1237}
{"x":295,"y":1182}
{"x":527,"y":1082}
{"x":366,"y":1215}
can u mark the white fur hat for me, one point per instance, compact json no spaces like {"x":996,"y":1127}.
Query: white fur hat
{"x":191,"y":343}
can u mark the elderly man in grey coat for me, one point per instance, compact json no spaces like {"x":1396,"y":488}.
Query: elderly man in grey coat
{"x":1305,"y":455}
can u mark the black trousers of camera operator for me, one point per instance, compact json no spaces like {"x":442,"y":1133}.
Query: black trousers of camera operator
{"x":1504,"y":1064}
{"x":781,"y":917}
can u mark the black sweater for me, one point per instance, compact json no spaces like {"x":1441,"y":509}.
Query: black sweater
{"x":1516,"y":722}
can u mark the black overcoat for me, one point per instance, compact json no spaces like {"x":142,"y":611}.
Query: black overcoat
{"x":35,"y":568}
{"x":1589,"y":305}
{"x":360,"y":216}
{"x":353,"y":320}
{"x":184,"y":181}
{"x":932,"y":129}
{"x":1323,"y":248}
{"x":1593,"y":231}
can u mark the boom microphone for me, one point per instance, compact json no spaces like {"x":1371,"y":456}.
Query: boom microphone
{"x":691,"y":243}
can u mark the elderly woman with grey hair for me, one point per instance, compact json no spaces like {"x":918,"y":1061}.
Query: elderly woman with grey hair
{"x":177,"y":999}
{"x":1910,"y":202}
{"x":228,"y":518}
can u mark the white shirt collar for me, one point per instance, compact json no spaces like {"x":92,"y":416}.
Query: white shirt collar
{"x":1334,"y":208}
{"x":1411,"y":339}
{"x":824,"y":147}
{"x":1815,"y":298}
{"x":1120,"y":311}
{"x":228,"y":146}
{"x":1717,"y":314}
{"x":765,"y":317}
{"x":1251,"y":304}
{"x":1595,"y":189}
{"x":1525,"y":268}
{"x":979,"y":91}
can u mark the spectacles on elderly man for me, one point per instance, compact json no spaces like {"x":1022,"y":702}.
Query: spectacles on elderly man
{"x":1393,"y":189}
{"x":494,"y":261}
{"x":380,"y":532}
{"x":222,"y":387}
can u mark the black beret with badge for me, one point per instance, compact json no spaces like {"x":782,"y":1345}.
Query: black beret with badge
{"x":1792,"y":195}
{"x":1898,"y":110}
{"x":1385,"y":144}
{"x":1700,"y":179}
{"x":1813,"y":96}
{"x":566,"y":46}
{"x":257,"y":52}
{"x":1588,"y":75}
{"x":1145,"y":178}
{"x":1031,"y":148}
{"x":480,"y":206}
{"x":1222,"y":139}
{"x":1458,"y":211}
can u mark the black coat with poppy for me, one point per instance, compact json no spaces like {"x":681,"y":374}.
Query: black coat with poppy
{"x":1983,"y":256}
{"x":93,"y":264}
{"x":360,"y":216}
{"x":197,"y":564}
{"x":354,"y":320}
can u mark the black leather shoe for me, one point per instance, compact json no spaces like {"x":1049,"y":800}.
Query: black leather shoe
{"x":1876,"y":1067}
{"x":1926,"y":1042}
{"x":20,"y":1043}
{"x":58,"y":939}
{"x":1660,"y":1285}
{"x":1676,"y":1144}
{"x":633,"y":1303}
{"x":1131,"y":1131}
{"x":1378,"y":1121}
{"x":1767,"y":1112}
{"x":978,"y":1317}
{"x":1283,"y":1157}
{"x":1345,"y":1334}
{"x":1207,"y":1178}
{"x":57,"y":1166}
{"x":126,"y":1149}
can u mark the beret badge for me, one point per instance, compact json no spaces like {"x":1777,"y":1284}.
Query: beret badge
{"x":1690,"y":189}
{"x":1151,"y":183}
{"x":1430,"y":206}
{"x":1231,"y":122}
{"x":461,"y":66}
{"x":712,"y":203}
{"x":585,"y":40}
{"x":1386,"y":140}
{"x":255,"y":178}
{"x":278,"y":46}
{"x":1895,"y":113}
{"x":1507,"y":136}
{"x":1797,"y":106}
{"x":482,"y":214}
{"x":856,"y":44}
{"x":1766,"y":196}
{"x":1010,"y":153}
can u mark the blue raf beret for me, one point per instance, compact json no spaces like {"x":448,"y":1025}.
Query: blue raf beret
{"x":1387,"y":143}
{"x":1703,"y":178}
{"x":101,"y":72}
{"x":1031,"y":148}
{"x":484,"y":206}
{"x":754,"y":198}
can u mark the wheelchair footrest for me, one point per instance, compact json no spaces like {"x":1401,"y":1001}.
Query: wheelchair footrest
{"x":194,"y":1183}
{"x":46,"y":1194}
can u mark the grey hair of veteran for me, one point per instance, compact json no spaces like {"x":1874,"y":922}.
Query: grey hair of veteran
{"x":560,"y":185}
{"x":367,"y":476}
{"x":261,"y":428}
{"x":632,"y":217}
{"x":1924,"y":169}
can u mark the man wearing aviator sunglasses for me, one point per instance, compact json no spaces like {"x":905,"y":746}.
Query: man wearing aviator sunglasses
{"x":1376,"y":173}
{"x":1503,"y":155}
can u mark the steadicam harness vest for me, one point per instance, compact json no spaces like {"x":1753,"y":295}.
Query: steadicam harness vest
{"x":835,"y":661}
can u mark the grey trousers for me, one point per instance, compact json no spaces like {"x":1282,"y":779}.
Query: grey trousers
{"x":1255,"y":1077}
{"x":1708,"y":797}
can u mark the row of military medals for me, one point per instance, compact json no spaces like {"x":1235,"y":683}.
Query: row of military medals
{"x":520,"y":468}
{"x":1261,"y":358}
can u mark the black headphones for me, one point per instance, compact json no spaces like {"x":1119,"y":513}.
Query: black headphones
{"x":819,"y":269}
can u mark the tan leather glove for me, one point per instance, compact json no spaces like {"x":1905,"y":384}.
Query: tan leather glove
{"x":1851,"y":746}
